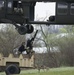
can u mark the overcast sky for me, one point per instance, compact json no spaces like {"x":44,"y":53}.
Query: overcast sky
{"x":44,"y":9}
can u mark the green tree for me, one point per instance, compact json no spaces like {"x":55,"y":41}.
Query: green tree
{"x":50,"y":58}
{"x":65,"y":45}
{"x":60,"y":47}
{"x":9,"y":39}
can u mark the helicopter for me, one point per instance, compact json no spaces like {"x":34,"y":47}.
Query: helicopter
{"x":21,"y":13}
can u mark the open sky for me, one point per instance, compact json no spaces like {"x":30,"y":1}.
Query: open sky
{"x":44,"y":9}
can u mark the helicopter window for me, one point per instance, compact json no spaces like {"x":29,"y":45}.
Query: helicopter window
{"x":1,"y":4}
{"x":9,"y":5}
{"x":62,"y":8}
{"x":17,"y":6}
{"x":9,"y":9}
{"x":72,"y":9}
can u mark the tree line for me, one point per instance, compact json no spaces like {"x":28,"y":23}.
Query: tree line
{"x":63,"y":56}
{"x":60,"y":48}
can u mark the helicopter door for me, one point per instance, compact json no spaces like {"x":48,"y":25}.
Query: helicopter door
{"x":2,"y":9}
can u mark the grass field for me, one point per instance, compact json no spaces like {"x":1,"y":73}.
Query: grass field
{"x":52,"y":71}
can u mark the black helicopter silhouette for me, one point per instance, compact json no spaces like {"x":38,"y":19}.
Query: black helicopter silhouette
{"x":22,"y":12}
